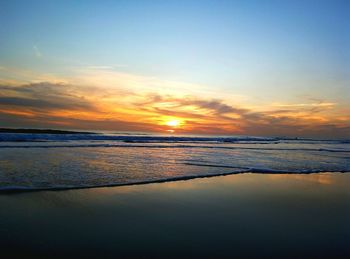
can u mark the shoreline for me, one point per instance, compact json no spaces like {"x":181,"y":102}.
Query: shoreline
{"x":22,"y":189}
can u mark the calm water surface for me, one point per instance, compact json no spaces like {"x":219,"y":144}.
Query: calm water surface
{"x":238,"y":215}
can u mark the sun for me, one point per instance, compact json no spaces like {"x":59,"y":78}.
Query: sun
{"x":173,"y":123}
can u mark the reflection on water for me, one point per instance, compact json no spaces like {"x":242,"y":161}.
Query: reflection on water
{"x":217,"y":184}
{"x":323,"y":178}
{"x":239,"y":215}
{"x":96,"y":166}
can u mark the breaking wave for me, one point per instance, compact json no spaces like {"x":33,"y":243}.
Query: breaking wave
{"x":33,"y":162}
{"x":138,"y":138}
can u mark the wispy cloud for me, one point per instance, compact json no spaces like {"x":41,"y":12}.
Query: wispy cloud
{"x":101,"y":98}
{"x":76,"y":106}
{"x":298,"y":105}
{"x":37,"y":51}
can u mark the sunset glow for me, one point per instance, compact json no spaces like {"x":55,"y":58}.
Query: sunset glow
{"x":243,"y":104}
{"x":173,"y":123}
{"x":249,"y":77}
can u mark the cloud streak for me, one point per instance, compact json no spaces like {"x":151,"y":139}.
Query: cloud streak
{"x":37,"y":52}
{"x":62,"y":105}
{"x":217,"y":114}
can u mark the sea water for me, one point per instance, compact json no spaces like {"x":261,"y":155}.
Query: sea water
{"x":59,"y":161}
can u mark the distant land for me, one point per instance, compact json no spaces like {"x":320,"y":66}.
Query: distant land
{"x":41,"y":131}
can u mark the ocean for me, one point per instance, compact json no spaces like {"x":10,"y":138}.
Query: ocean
{"x":68,"y":161}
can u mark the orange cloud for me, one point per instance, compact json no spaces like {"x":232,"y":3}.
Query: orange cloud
{"x":75,"y":106}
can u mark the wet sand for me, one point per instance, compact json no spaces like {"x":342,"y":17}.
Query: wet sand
{"x":250,"y":215}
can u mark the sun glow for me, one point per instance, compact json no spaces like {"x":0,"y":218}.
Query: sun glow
{"x":173,"y":123}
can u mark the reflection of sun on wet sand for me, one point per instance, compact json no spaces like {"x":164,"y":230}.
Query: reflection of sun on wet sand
{"x":245,"y":215}
{"x":321,"y":178}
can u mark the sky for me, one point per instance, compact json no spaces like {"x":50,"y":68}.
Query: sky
{"x":271,"y":68}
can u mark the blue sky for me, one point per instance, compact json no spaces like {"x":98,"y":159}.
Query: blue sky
{"x":269,"y":51}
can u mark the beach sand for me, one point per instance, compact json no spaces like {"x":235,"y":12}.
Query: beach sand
{"x":250,"y":215}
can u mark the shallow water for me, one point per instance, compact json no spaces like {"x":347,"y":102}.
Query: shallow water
{"x":39,"y":161}
{"x":246,"y":215}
